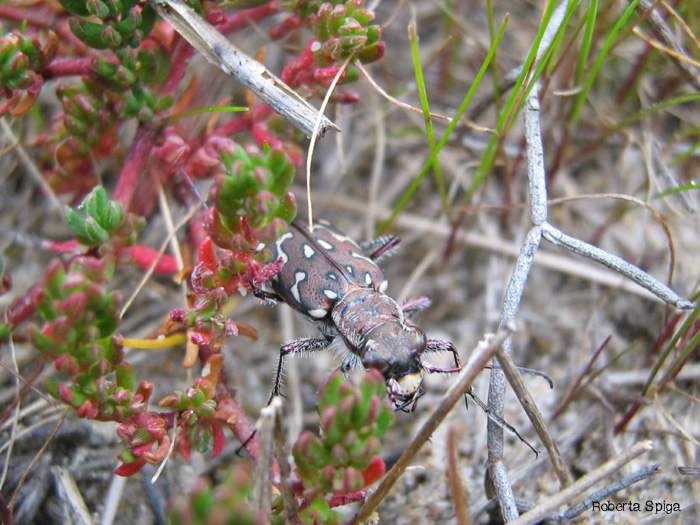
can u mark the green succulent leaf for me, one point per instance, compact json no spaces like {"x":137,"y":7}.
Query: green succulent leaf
{"x":89,"y":33}
{"x":96,"y":233}
{"x":77,"y":7}
{"x":112,"y":216}
{"x":148,"y":19}
{"x":77,"y":225}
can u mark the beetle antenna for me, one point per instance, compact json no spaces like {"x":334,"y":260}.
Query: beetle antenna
{"x":190,"y":184}
{"x":530,"y":371}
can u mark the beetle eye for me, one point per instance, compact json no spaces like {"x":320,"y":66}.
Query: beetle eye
{"x":375,"y":361}
{"x":420,"y":341}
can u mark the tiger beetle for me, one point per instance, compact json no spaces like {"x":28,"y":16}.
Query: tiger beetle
{"x":336,"y":283}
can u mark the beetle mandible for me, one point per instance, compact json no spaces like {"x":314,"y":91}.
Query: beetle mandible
{"x":337,"y":284}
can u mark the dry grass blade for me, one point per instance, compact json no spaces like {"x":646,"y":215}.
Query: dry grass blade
{"x":74,"y":508}
{"x":37,"y":456}
{"x":606,"y":492}
{"x":262,"y":495}
{"x":459,"y":493}
{"x":610,"y":142}
{"x":164,"y":245}
{"x":30,"y":165}
{"x":391,"y":99}
{"x":317,"y":132}
{"x":285,"y":469}
{"x":678,"y":55}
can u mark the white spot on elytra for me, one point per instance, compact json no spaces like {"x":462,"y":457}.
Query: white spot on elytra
{"x":298,"y":278}
{"x":332,"y":276}
{"x":324,"y":244}
{"x":278,"y":243}
{"x":341,"y":237}
{"x":362,"y":257}
{"x":308,"y":251}
{"x":318,"y":313}
{"x":382,"y":287}
{"x":330,"y":294}
{"x":368,"y":278}
{"x":350,"y":269}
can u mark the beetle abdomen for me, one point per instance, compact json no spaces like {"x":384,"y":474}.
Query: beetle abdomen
{"x":321,"y":267}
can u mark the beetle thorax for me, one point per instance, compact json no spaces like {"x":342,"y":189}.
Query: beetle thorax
{"x":374,"y":329}
{"x":362,"y":310}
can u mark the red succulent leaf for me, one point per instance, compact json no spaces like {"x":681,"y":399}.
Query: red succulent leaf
{"x":374,"y":471}
{"x":219,"y":439}
{"x":129,"y":469}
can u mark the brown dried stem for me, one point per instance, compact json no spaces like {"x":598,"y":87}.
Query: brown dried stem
{"x":515,"y":379}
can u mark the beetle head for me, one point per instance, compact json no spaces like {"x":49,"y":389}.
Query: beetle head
{"x":395,"y":348}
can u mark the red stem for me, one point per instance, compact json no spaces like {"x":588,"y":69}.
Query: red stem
{"x":40,"y":18}
{"x":242,"y":19}
{"x":71,"y":67}
{"x":230,"y":128}
{"x":146,"y":136}
{"x":135,"y":165}
{"x":241,"y":427}
{"x":181,"y":55}
{"x":44,"y":18}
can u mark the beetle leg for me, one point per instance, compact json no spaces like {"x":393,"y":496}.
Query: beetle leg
{"x":378,"y":248}
{"x":412,"y":307}
{"x":295,"y":347}
{"x":434,"y":345}
{"x":264,"y":294}
{"x":345,"y":368}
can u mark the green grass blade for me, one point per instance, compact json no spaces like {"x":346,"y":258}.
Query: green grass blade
{"x":595,"y":69}
{"x":679,"y":189}
{"x":494,"y":62}
{"x":455,"y":120}
{"x":587,"y":39}
{"x":210,"y":109}
{"x":518,"y":94}
{"x":423,"y":95}
{"x":681,"y":99}
{"x":680,"y":158}
{"x":670,"y":348}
